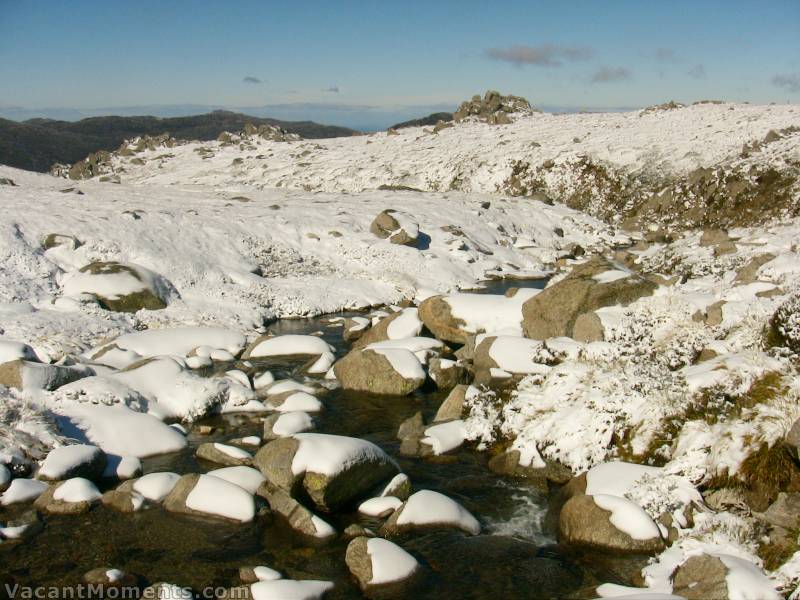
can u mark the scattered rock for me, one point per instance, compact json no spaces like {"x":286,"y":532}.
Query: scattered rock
{"x":446,"y":373}
{"x":398,"y":227}
{"x":453,"y":405}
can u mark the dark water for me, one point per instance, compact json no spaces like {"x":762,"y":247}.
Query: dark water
{"x":512,"y":558}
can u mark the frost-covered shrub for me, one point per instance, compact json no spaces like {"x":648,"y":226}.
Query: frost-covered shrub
{"x":786,"y":322}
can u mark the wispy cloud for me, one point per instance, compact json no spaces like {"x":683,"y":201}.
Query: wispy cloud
{"x":788,"y":81}
{"x":611,"y":74}
{"x":251,"y":79}
{"x":697,"y":72}
{"x":544,"y":55}
{"x":334,"y":89}
{"x":665,"y":55}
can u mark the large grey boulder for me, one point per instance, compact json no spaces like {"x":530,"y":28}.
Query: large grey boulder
{"x":555,"y":311}
{"x":583,"y":522}
{"x":333,"y":470}
{"x":367,"y":370}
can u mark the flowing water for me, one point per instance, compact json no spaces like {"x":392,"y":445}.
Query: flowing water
{"x":512,"y":558}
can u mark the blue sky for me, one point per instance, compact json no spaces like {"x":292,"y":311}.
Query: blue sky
{"x":367,"y":64}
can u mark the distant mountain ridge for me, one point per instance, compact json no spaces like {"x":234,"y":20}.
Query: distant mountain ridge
{"x":37,"y":144}
{"x":431,"y":119}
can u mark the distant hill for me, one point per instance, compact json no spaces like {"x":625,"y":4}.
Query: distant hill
{"x":429,"y":120}
{"x":38,"y":143}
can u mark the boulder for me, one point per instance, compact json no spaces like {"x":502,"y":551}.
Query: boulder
{"x":249,"y":575}
{"x":27,"y":375}
{"x":427,"y":509}
{"x":401,"y":324}
{"x":435,"y":312}
{"x":122,"y":500}
{"x":596,"y":521}
{"x":446,"y":373}
{"x":590,"y":286}
{"x":79,"y":460}
{"x":311,"y":348}
{"x":398,"y":487}
{"x":784,"y":512}
{"x":379,"y":562}
{"x":53,"y":240}
{"x":333,"y":470}
{"x":390,"y":372}
{"x":120,"y":287}
{"x":298,"y":517}
{"x":714,"y":237}
{"x":397,"y":226}
{"x":749,"y":272}
{"x":453,"y":405}
{"x":701,"y":577}
{"x":286,"y":424}
{"x":223,"y":454}
{"x":493,"y":108}
{"x":355,"y":327}
{"x":70,"y":497}
{"x":207,"y":496}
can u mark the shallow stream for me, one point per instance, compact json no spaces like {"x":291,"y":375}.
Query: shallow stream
{"x":511,"y":558}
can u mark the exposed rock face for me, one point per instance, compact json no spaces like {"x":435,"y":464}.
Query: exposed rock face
{"x":447,"y":374}
{"x":401,"y":231}
{"x":371,"y":371}
{"x":27,"y":375}
{"x":493,"y":108}
{"x":554,"y":311}
{"x":582,"y":522}
{"x":453,"y":406}
{"x":701,"y":577}
{"x":363,"y":466}
{"x":436,"y":314}
{"x":96,"y":163}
